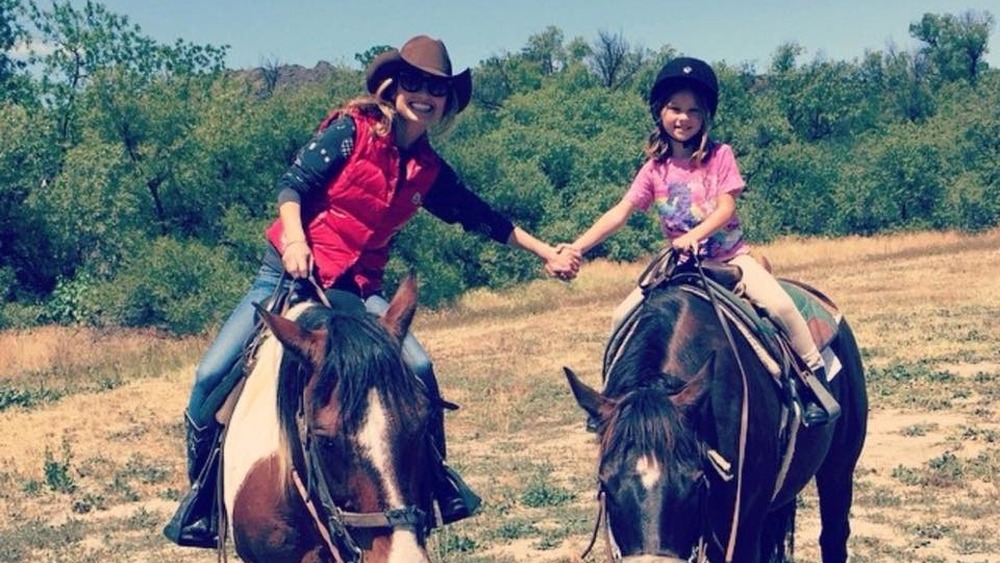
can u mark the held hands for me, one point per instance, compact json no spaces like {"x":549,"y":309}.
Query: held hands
{"x":566,"y":262}
{"x":297,"y":259}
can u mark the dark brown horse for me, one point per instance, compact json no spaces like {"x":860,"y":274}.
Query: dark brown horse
{"x":327,"y":450}
{"x":701,"y":457}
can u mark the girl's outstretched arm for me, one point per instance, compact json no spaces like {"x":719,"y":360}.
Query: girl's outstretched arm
{"x":608,"y":224}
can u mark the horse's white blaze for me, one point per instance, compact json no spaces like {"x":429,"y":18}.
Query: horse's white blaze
{"x":252,"y":432}
{"x":649,"y":471}
{"x":374,"y":438}
{"x":405,"y":548}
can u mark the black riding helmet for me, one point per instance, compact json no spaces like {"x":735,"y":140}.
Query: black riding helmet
{"x":684,"y":72}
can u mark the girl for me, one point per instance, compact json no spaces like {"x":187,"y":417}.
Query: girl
{"x":693,"y":182}
{"x":364,"y":174}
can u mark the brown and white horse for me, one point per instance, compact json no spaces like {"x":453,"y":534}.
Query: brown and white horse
{"x":326,"y":456}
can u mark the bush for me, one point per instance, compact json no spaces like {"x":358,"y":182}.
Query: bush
{"x":183,"y":287}
{"x":72,"y":302}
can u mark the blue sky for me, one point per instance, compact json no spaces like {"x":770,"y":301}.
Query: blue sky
{"x":305,"y":32}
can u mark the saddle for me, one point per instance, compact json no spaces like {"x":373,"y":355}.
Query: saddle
{"x":721,"y":285}
{"x":221,"y":402}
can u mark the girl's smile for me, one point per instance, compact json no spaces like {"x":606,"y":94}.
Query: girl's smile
{"x":682,"y":116}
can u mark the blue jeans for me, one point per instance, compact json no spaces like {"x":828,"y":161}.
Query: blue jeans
{"x":238,"y":329}
{"x":233,"y":337}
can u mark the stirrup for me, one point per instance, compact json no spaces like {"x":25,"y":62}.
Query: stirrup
{"x":814,"y":415}
{"x":455,"y":499}
{"x":825,"y":409}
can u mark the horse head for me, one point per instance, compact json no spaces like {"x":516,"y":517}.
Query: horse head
{"x":651,"y":470}
{"x":353,"y":456}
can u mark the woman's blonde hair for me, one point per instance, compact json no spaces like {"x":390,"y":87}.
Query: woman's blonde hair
{"x":381,"y":105}
{"x":658,"y":144}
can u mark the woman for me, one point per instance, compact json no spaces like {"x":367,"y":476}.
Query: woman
{"x":369,"y":168}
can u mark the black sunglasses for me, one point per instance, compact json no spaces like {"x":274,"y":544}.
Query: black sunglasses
{"x":415,"y":81}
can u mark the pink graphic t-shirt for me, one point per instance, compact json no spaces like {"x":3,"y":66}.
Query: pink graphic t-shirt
{"x":684,"y":194}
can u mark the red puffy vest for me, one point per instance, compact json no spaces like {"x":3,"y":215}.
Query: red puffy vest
{"x":349,"y":226}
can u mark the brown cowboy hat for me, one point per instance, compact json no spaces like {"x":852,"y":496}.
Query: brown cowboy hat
{"x":423,"y":53}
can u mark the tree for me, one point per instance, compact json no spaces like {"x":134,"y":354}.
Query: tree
{"x":122,"y":106}
{"x":270,"y":72}
{"x":14,"y":83}
{"x":614,"y":60}
{"x":955,"y":44}
{"x":26,"y":268}
{"x":819,"y":99}
{"x":86,"y":41}
{"x":546,"y":50}
{"x":368,"y":56}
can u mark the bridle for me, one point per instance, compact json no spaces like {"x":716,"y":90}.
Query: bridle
{"x":613,"y":553}
{"x":333,"y":523}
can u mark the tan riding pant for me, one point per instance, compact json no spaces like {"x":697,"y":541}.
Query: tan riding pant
{"x":765,"y":292}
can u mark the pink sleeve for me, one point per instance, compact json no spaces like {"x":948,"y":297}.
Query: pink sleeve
{"x":640,"y":193}
{"x":727,"y":171}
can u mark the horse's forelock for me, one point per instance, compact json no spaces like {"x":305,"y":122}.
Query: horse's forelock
{"x":645,"y":417}
{"x":644,"y":420}
{"x":362,"y":356}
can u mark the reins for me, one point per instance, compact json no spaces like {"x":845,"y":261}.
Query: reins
{"x":744,"y":408}
{"x":277,"y":303}
{"x":598,"y":522}
{"x":334,"y":523}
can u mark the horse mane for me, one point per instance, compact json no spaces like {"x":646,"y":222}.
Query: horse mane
{"x":643,"y":354}
{"x":645,"y":417}
{"x":360,"y":356}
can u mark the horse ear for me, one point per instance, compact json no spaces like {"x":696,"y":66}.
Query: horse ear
{"x":402,"y":307}
{"x":589,"y":400}
{"x":308,"y":343}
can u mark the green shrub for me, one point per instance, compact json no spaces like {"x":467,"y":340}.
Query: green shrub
{"x":57,"y":473}
{"x":184,"y":287}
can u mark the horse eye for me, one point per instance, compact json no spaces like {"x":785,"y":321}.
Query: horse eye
{"x":325,"y":441}
{"x":345,"y":504}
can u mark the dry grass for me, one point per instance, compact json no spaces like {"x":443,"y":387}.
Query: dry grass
{"x":924,"y":307}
